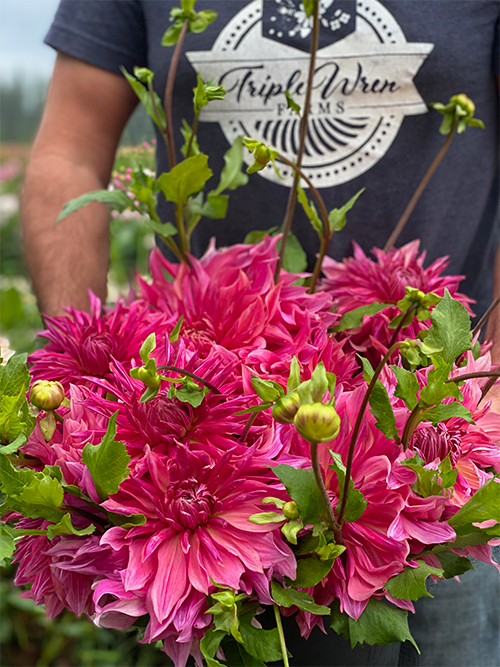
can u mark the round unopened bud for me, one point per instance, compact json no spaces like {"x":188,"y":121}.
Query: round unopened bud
{"x":286,"y":408}
{"x":151,"y":380}
{"x":262,"y":154}
{"x":317,"y":422}
{"x":46,"y":395}
{"x":290,"y":510}
{"x":465,"y":102}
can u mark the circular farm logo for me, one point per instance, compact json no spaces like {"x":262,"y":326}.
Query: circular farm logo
{"x":362,"y":86}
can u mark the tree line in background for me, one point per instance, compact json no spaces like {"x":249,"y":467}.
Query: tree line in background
{"x":21,"y":108}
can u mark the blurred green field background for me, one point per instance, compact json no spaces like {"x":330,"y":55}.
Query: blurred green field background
{"x":27,"y":637}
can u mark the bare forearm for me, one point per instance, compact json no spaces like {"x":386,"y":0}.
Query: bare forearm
{"x":64,"y":261}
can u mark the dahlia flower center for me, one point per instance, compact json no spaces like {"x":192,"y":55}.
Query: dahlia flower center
{"x":190,"y":504}
{"x":95,"y":354}
{"x":437,"y":442}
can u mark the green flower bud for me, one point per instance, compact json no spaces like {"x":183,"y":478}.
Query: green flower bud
{"x":262,"y":154}
{"x":317,"y":422}
{"x":290,"y":510}
{"x":285,"y":409}
{"x":151,"y":380}
{"x":465,"y":102}
{"x":46,"y":395}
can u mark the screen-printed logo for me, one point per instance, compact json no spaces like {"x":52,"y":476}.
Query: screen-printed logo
{"x":362,"y":86}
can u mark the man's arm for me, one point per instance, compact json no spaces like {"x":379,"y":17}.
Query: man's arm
{"x":86,"y":111}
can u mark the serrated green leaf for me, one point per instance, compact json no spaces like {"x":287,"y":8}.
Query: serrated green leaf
{"x":14,"y":376}
{"x":42,"y":499}
{"x":427,"y":483}
{"x":380,"y":623}
{"x":410,"y":583}
{"x":12,"y":480}
{"x":262,"y":644}
{"x":453,"y":565}
{"x":450,"y":328}
{"x":185,"y":179}
{"x":163,"y":230}
{"x":116,"y":198}
{"x":11,"y":416}
{"x":231,"y":176}
{"x":437,"y":389}
{"x":441,"y":413}
{"x":301,"y":486}
{"x":215,"y":207}
{"x":407,"y":387}
{"x":126,"y":521}
{"x":7,"y":544}
{"x":337,"y":217}
{"x":310,"y":571}
{"x":107,"y":462}
{"x":481,"y":507}
{"x":65,"y":527}
{"x":295,"y":257}
{"x":190,"y":392}
{"x":354,"y":318}
{"x":289,"y":597}
{"x":380,"y":405}
{"x":340,"y":620}
{"x":209,"y":646}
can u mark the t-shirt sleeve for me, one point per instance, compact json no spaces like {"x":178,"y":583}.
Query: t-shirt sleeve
{"x":106,"y":33}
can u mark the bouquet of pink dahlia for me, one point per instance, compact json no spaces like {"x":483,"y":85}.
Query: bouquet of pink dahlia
{"x":214,"y":445}
{"x":195,"y":460}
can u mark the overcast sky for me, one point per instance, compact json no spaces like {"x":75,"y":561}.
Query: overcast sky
{"x":23,"y":25}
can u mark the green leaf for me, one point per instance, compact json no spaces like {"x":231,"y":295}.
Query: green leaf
{"x":116,"y":198}
{"x":186,"y":132}
{"x":310,"y":211}
{"x":295,"y":258}
{"x":214,"y":207}
{"x":209,"y":646}
{"x":107,"y":462}
{"x":310,"y":571}
{"x":441,"y":413}
{"x":289,"y":597}
{"x":354,"y":318}
{"x":294,"y":376}
{"x":301,"y":486}
{"x":380,"y":405}
{"x":163,"y":230}
{"x":147,"y":347}
{"x":7,"y":544}
{"x":356,"y":504}
{"x":380,"y":623}
{"x":185,"y":179}
{"x":42,"y":499}
{"x":291,"y":104}
{"x":482,"y":506}
{"x":437,"y":388}
{"x":340,"y":620}
{"x":258,"y":235}
{"x":410,"y":583}
{"x":261,"y":518}
{"x":309,"y":7}
{"x":14,"y":376}
{"x":65,"y":527}
{"x":126,"y":521}
{"x":14,"y":446}
{"x":12,"y":480}
{"x":450,"y":328}
{"x":407,"y":386}
{"x":149,"y":394}
{"x":231,"y":176}
{"x":262,"y":644}
{"x":190,"y":392}
{"x":267,"y":390}
{"x":337,"y":217}
{"x":174,"y":335}
{"x":11,"y":416}
{"x":453,"y":565}
{"x":152,"y":103}
{"x":427,"y":483}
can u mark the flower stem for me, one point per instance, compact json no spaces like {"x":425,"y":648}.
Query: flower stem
{"x":410,"y":426}
{"x":485,"y":317}
{"x":357,"y":426}
{"x":248,"y":426}
{"x":487,"y":387}
{"x":169,"y":92}
{"x":281,"y":634}
{"x":157,"y":114}
{"x":322,"y":488}
{"x":193,"y":376}
{"x":193,"y":133}
{"x":418,"y":192}
{"x":472,"y":376}
{"x":292,"y":198}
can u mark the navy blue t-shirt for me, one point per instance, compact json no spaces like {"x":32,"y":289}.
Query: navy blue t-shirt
{"x":379,"y":65}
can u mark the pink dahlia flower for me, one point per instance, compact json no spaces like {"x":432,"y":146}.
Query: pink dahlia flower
{"x":197,"y":532}
{"x":359,"y":281}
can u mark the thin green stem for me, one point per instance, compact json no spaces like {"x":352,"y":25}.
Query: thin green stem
{"x":193,"y":376}
{"x":318,"y":476}
{"x":410,"y":426}
{"x":279,"y":624}
{"x":292,"y":199}
{"x":193,"y":134}
{"x":157,"y":114}
{"x":418,"y":192}
{"x":356,"y":429}
{"x":169,"y":93}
